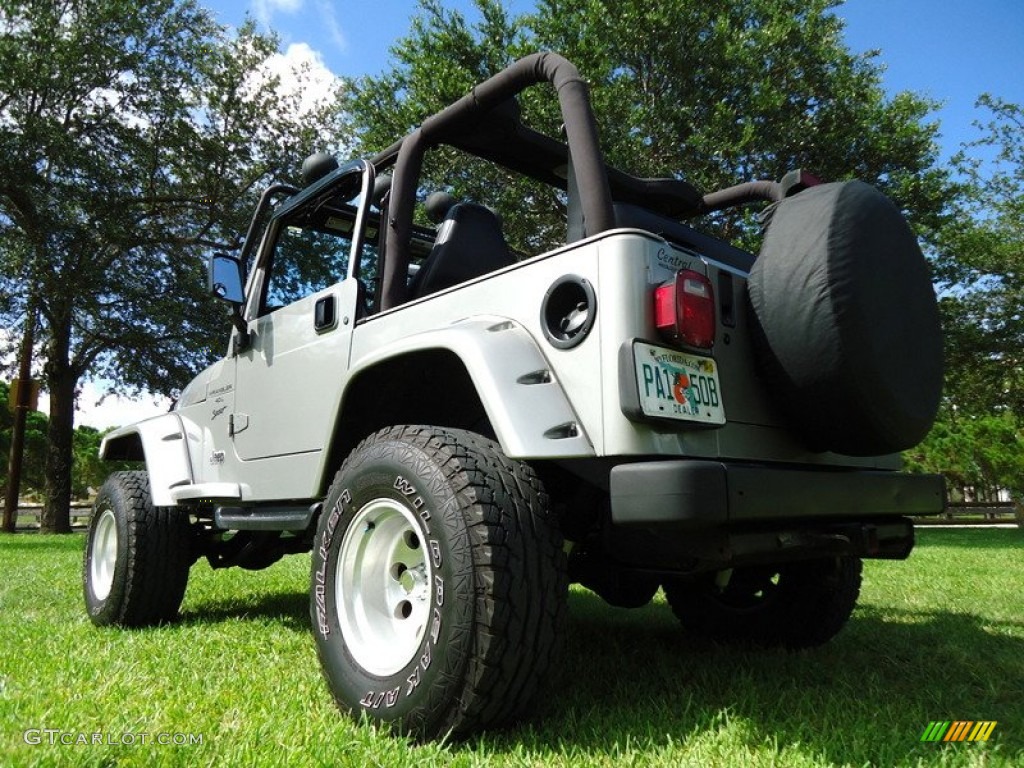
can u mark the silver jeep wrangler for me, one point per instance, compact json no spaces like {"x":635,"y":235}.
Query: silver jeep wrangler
{"x":458,"y":427}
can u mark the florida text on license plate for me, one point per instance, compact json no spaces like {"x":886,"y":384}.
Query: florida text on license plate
{"x":677,"y":385}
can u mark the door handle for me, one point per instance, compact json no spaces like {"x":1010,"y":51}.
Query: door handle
{"x":325,"y":314}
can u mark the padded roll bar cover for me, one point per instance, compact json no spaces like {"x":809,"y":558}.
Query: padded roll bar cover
{"x":581,"y":132}
{"x":750,"y":192}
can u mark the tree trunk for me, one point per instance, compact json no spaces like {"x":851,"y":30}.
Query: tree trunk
{"x":61,"y":380}
{"x":17,"y":454}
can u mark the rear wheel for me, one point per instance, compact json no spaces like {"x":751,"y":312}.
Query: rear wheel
{"x":137,"y":556}
{"x":439,"y":583}
{"x":794,"y":605}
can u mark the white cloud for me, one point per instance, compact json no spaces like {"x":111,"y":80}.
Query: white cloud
{"x":326,"y":17}
{"x":329,"y":20}
{"x":303,"y":76}
{"x":264,"y":10}
{"x":93,"y":409}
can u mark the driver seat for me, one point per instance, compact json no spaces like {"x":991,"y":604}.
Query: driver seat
{"x":469,"y":244}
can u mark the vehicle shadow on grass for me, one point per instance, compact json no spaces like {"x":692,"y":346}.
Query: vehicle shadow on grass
{"x":634,"y":677}
{"x":290,"y":609}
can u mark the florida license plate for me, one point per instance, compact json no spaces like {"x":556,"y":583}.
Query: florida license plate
{"x":677,"y":385}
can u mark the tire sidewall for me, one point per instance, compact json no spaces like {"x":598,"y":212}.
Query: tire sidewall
{"x":419,"y":695}
{"x":107,"y":610}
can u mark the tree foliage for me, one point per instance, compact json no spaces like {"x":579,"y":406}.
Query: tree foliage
{"x":981,"y":269}
{"x":715,"y":93}
{"x":133,"y":136}
{"x":980,"y":455}
{"x":88,"y":471}
{"x":978,"y":442}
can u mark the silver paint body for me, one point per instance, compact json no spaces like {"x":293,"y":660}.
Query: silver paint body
{"x":283,"y":395}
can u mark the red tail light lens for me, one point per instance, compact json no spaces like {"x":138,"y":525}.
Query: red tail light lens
{"x":684,"y":310}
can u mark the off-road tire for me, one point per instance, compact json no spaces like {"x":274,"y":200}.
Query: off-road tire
{"x":793,"y":605}
{"x":137,"y":556}
{"x":479,"y":611}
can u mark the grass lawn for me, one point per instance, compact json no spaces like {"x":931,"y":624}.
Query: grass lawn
{"x":940,"y":637}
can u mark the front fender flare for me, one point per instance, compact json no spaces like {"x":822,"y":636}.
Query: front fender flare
{"x":162,"y":442}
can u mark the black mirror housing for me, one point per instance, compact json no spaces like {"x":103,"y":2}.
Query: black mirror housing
{"x":225,"y":279}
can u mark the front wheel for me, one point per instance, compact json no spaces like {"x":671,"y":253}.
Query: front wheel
{"x":438,"y":583}
{"x":794,"y":605}
{"x":137,"y":556}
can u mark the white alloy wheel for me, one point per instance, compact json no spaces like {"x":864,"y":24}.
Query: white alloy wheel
{"x":382,"y":588}
{"x":104,"y":555}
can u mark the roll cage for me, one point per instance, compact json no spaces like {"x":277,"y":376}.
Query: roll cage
{"x":486,"y":123}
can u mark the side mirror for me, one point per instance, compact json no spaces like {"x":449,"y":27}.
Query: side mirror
{"x":226,"y":284}
{"x":226,"y":278}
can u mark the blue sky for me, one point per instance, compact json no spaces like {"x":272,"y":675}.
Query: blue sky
{"x":950,"y":50}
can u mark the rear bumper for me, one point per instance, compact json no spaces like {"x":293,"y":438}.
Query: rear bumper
{"x":696,"y":495}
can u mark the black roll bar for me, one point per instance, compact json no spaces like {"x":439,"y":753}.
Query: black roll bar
{"x":581,"y":133}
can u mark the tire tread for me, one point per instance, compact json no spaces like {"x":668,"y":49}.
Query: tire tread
{"x":158,"y":554}
{"x":814,"y":601}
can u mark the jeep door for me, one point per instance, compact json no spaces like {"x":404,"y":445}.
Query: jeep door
{"x":303,"y":304}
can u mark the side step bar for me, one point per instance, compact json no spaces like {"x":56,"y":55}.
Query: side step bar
{"x":265,"y":518}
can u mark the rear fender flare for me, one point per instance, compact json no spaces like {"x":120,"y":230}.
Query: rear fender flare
{"x":526,"y":406}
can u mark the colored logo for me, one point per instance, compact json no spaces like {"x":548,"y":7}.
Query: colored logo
{"x":958,"y":730}
{"x":681,"y":390}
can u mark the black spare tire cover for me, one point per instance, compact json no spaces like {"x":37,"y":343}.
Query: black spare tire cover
{"x":845,"y":322}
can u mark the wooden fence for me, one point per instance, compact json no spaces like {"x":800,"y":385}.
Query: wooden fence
{"x":28,"y":515}
{"x":978,"y":512}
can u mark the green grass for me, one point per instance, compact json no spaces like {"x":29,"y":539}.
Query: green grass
{"x":940,"y":637}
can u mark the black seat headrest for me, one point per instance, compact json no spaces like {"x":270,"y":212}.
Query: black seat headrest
{"x":438,"y":204}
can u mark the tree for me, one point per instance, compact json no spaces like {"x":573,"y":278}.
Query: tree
{"x":437,"y":63}
{"x":981,"y":269}
{"x":715,"y":93}
{"x":88,"y":471}
{"x":978,"y":455}
{"x":978,"y":441}
{"x":133,"y":137}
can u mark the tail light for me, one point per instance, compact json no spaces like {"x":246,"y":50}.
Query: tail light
{"x":684,"y":310}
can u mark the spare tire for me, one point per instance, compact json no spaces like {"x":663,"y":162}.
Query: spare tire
{"x":845,"y":322}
